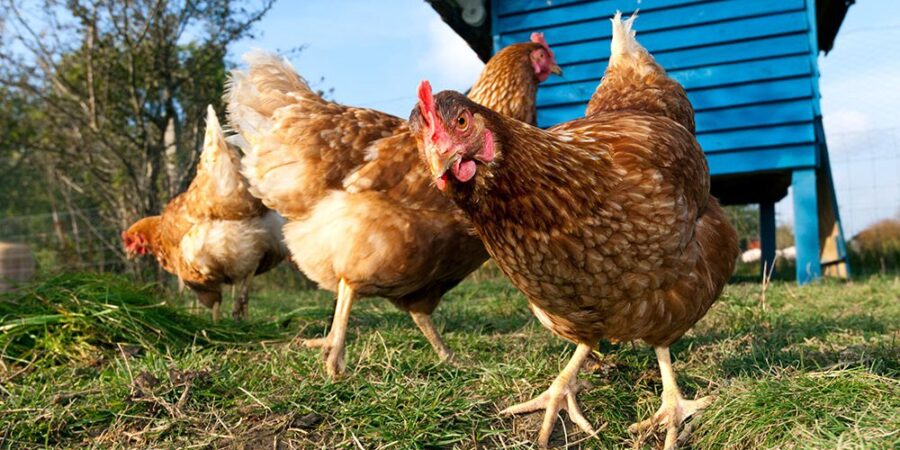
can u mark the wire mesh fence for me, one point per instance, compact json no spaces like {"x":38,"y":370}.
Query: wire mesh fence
{"x":82,"y":241}
{"x":76,"y":240}
{"x":865,"y":166}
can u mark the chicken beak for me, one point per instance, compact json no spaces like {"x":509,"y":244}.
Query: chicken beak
{"x":438,"y":163}
{"x":556,"y":70}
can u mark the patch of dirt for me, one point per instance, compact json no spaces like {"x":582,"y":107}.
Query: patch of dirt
{"x":144,"y":383}
{"x":307,"y":421}
{"x":276,"y":431}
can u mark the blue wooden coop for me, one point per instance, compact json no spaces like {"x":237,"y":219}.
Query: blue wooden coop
{"x":750,"y":69}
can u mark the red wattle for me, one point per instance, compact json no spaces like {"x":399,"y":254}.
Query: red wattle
{"x":464,"y":171}
{"x":441,"y":182}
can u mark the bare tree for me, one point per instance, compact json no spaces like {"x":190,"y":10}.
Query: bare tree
{"x":121,"y":88}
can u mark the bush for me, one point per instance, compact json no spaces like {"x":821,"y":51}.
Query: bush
{"x":876,"y":249}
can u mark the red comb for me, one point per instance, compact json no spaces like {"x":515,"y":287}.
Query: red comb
{"x":426,"y":104}
{"x":425,"y":98}
{"x":538,"y":38}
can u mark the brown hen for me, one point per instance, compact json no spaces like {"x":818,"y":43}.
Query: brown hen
{"x":363,"y":216}
{"x":605,"y":223}
{"x":214,"y":233}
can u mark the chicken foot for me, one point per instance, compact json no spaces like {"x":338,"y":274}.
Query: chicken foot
{"x":423,"y":321}
{"x":332,"y":345}
{"x":560,"y":396}
{"x":216,"y":314}
{"x":211,"y":300}
{"x":240,"y":311}
{"x":675,"y":409}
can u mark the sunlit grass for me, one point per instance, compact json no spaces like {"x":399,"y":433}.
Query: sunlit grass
{"x":99,"y":361}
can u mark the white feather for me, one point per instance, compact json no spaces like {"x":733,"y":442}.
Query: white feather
{"x":254,"y":98}
{"x":217,"y":159}
{"x":624,"y":45}
{"x":234,"y":247}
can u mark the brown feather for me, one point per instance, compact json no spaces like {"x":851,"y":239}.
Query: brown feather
{"x":208,"y":237}
{"x":605,"y":223}
{"x":360,"y":205}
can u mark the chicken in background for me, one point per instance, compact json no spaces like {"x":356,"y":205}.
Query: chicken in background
{"x":605,"y":223}
{"x":363,"y":216}
{"x":635,"y":81}
{"x":214,"y":233}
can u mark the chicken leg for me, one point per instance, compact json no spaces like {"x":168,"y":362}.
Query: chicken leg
{"x":559,"y":396}
{"x":240,"y":310}
{"x":333,"y":344}
{"x":211,"y":300}
{"x":423,"y":321}
{"x":675,"y":409}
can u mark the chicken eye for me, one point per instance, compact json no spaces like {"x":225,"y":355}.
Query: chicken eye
{"x":462,"y":122}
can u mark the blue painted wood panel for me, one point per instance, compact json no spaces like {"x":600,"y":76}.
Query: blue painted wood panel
{"x":591,"y":20}
{"x":693,"y":79}
{"x":762,"y":160}
{"x":512,"y":7}
{"x":749,"y":68}
{"x":694,"y":57}
{"x":587,"y":47}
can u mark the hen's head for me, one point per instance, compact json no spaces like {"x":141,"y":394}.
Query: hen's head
{"x":136,"y":239}
{"x":453,"y":134}
{"x":542,"y":59}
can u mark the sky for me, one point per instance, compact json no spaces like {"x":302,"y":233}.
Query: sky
{"x":860,"y":85}
{"x":374,"y":53}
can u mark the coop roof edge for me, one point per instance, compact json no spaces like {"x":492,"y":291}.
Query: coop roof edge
{"x":829,"y":17}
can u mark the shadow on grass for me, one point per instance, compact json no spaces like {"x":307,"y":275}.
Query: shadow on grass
{"x":803,"y":344}
{"x":379,"y":314}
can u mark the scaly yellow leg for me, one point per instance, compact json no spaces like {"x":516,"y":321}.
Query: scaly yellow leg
{"x":675,"y":409}
{"x":333,"y":344}
{"x":423,"y":321}
{"x":559,"y":396}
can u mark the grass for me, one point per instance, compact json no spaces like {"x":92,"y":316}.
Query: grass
{"x":91,"y":361}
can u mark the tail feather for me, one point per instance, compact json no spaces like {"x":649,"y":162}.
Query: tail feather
{"x":626,"y":51}
{"x":269,"y":83}
{"x":635,"y":81}
{"x":624,"y":42}
{"x":218,"y":161}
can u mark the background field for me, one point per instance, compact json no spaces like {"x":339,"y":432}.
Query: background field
{"x":98,"y":361}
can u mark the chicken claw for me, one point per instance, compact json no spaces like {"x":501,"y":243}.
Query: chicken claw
{"x":675,"y":409}
{"x":672,"y":413}
{"x":560,"y":396}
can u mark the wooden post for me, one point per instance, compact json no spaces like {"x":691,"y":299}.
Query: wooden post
{"x":833,"y":250}
{"x":806,"y":225}
{"x":767,"y":236}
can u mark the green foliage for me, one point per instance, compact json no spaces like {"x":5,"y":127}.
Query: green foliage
{"x":877,"y":248}
{"x":784,"y":236}
{"x":804,"y":410}
{"x":745,"y":219}
{"x":106,"y":101}
{"x":812,"y":367}
{"x":20,"y":176}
